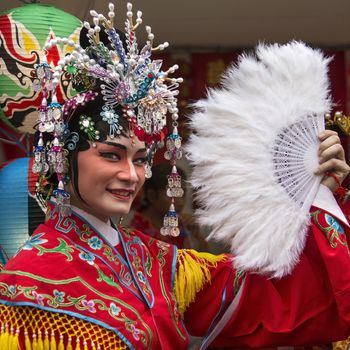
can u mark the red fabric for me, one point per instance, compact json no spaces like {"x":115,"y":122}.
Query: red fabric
{"x":79,"y":264}
{"x":311,"y":306}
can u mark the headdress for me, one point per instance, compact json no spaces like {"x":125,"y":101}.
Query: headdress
{"x":128,"y":79}
{"x":257,"y":182}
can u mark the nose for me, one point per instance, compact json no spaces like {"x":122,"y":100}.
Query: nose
{"x":128,"y":172}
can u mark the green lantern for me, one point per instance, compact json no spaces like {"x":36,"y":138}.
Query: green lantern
{"x":24,"y":31}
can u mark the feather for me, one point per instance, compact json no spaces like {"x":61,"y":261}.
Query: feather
{"x":235,"y":129}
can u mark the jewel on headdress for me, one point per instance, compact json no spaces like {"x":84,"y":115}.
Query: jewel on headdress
{"x":40,"y":165}
{"x":170,"y":223}
{"x":43,"y":73}
{"x":148,"y":170}
{"x":173,"y":146}
{"x":88,"y":126}
{"x":174,"y":184}
{"x":62,"y":199}
{"x":77,"y":100}
{"x":57,"y":157}
{"x":70,"y":140}
{"x":112,"y":119}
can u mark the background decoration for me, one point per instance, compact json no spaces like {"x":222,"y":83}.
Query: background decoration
{"x":24,"y":32}
{"x":20,"y":212}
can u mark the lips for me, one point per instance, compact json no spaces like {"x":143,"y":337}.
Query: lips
{"x":122,"y":194}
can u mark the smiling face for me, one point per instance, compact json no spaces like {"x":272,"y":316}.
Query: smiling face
{"x":109,"y":176}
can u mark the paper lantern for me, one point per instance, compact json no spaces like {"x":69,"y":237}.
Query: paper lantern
{"x":24,"y":31}
{"x":20,"y":212}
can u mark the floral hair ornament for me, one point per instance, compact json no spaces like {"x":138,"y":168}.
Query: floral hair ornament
{"x":125,"y":76}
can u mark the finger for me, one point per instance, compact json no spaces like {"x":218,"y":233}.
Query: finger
{"x":337,"y":166}
{"x":325,"y":134}
{"x":328,"y":142}
{"x":334,"y":151}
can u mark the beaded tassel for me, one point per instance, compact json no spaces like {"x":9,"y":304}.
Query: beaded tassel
{"x":53,"y":345}
{"x":170,"y":223}
{"x":40,"y":165}
{"x":174,"y":190}
{"x":46,"y":341}
{"x":62,"y":200}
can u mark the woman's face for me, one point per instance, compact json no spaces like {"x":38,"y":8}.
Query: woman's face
{"x":109,"y":176}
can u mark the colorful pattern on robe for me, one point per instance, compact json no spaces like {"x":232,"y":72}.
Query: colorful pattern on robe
{"x":74,"y":271}
{"x":311,"y":306}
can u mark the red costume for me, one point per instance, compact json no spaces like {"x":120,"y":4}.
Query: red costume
{"x":144,"y":294}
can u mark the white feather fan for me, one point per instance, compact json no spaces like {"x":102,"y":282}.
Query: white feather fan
{"x":254,"y":150}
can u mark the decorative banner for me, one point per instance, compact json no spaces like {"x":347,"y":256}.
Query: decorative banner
{"x":207,"y":70}
{"x":24,"y":31}
{"x":20,"y":213}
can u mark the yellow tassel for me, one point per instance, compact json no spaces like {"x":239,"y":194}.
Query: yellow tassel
{"x":69,"y":345}
{"x":85,"y":346}
{"x":77,"y":344}
{"x":193,"y":271}
{"x":27,"y":342}
{"x":53,"y":345}
{"x":2,"y":336}
{"x":6,"y":339}
{"x":15,"y":342}
{"x":61,"y":345}
{"x":40,"y":342}
{"x":34,"y":342}
{"x":9,"y":340}
{"x":46,"y":341}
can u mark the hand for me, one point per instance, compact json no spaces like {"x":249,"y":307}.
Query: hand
{"x":332,"y":159}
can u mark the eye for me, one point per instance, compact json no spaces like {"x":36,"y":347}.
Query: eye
{"x":110,"y":155}
{"x":140,"y":161}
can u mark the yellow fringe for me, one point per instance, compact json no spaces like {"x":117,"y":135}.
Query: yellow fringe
{"x":193,"y":271}
{"x":5,"y":339}
{"x":69,"y":345}
{"x":53,"y":345}
{"x":46,"y":341}
{"x":2,"y":335}
{"x":61,"y":345}
{"x":35,"y":342}
{"x":15,"y":341}
{"x":40,"y":342}
{"x":29,"y":323}
{"x":27,"y":341}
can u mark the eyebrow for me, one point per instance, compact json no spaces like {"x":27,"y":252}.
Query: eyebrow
{"x":123,"y":147}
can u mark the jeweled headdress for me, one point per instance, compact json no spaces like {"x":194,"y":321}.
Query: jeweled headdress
{"x":128,"y":79}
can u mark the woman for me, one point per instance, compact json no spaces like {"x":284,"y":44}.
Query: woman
{"x":82,"y":283}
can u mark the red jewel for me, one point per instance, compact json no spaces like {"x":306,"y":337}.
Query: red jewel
{"x":139,"y":133}
{"x":150,"y":75}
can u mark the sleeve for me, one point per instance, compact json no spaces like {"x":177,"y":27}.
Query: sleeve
{"x":310,"y":306}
